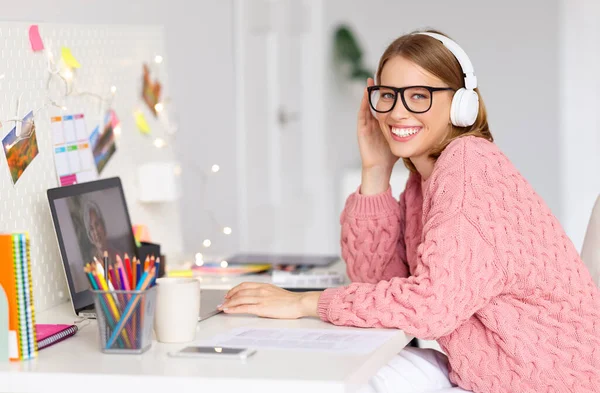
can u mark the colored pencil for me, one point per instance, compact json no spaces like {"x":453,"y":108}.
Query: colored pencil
{"x":113,"y":307}
{"x":127,"y":264}
{"x":98,"y":268}
{"x":105,"y":260}
{"x":112,"y":277}
{"x":107,"y":314}
{"x":138,"y":272}
{"x":104,"y":287}
{"x":124,"y":286}
{"x":130,"y":308}
{"x":133,"y":273}
{"x":157,"y":270}
{"x":122,"y":274}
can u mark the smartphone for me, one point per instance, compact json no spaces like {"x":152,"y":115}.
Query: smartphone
{"x":214,"y":352}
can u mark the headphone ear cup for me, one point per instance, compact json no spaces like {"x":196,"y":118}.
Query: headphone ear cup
{"x":464,"y":108}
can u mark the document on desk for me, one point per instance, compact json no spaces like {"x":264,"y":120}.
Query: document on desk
{"x":328,"y":340}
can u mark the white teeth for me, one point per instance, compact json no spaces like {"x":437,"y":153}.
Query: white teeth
{"x":403,"y":132}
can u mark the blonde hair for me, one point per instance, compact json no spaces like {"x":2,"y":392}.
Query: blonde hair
{"x":431,"y":55}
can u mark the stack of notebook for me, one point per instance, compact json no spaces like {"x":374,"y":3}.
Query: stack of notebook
{"x":15,"y":278}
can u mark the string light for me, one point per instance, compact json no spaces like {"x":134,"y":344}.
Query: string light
{"x":227,"y":231}
{"x":159,"y":143}
{"x":2,"y":76}
{"x":177,"y":170}
{"x":68,"y":74}
{"x":113,"y":89}
{"x":224,"y":264}
{"x":117,"y":130}
{"x":206,"y":243}
{"x":215,"y":168}
{"x":199,"y":259}
{"x":158,"y":59}
{"x":159,"y":107}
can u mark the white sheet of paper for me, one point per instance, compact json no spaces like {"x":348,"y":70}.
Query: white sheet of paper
{"x":340,"y":341}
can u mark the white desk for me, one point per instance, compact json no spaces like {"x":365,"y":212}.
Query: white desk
{"x":77,"y":364}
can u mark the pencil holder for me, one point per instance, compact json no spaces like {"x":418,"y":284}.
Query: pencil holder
{"x":125,"y":320}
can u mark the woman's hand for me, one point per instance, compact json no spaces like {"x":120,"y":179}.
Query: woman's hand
{"x":270,"y":301}
{"x":377,"y":158}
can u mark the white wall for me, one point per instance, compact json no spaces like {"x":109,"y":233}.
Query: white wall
{"x":580,"y":103}
{"x":514,"y":48}
{"x":200,"y":64}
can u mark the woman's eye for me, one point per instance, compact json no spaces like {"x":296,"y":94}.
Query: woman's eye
{"x":387,"y":96}
{"x":417,"y":96}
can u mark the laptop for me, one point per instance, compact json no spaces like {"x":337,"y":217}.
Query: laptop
{"x":90,"y":218}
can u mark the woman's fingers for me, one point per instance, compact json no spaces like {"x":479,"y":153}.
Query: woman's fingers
{"x":254,"y":292}
{"x":240,"y":300}
{"x":364,"y":107}
{"x":242,"y":286}
{"x":243,"y":309}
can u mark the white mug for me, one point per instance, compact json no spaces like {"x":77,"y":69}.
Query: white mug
{"x":177,"y":309}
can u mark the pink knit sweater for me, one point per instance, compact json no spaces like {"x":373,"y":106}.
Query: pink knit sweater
{"x":474,"y":259}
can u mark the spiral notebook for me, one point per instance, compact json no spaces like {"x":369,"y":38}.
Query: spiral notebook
{"x":15,"y":278}
{"x":49,"y":334}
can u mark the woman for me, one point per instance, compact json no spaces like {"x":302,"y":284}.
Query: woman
{"x":469,"y":256}
{"x":97,"y":232}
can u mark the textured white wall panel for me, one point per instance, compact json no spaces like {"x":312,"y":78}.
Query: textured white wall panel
{"x":109,"y":55}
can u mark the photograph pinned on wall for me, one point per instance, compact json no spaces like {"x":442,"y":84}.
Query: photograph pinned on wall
{"x":21,"y":150}
{"x":103,"y":141}
{"x":151,"y":90}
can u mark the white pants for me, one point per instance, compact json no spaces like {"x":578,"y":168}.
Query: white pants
{"x":413,"y":370}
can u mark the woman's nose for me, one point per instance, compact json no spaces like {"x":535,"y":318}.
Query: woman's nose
{"x":399,"y":112}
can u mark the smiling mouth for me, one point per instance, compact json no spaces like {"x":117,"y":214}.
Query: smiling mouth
{"x":405,"y":131}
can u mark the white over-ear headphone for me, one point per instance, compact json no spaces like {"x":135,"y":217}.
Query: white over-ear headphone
{"x":465,"y":103}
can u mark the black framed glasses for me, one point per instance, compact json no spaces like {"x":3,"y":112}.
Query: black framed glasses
{"x":416,"y":99}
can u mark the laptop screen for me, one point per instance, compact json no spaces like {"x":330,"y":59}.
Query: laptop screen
{"x":88,"y":222}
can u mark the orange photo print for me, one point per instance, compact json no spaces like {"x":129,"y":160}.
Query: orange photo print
{"x":20,"y":151}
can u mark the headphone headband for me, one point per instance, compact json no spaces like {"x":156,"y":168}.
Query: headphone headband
{"x":461,"y":56}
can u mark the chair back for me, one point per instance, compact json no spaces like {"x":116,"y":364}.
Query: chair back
{"x":590,"y":252}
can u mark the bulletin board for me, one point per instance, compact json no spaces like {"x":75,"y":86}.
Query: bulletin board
{"x":111,"y":59}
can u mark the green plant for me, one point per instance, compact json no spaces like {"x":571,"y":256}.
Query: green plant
{"x":348,"y":54}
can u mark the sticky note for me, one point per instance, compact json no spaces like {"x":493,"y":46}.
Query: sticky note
{"x":68,"y":58}
{"x":141,"y":234}
{"x":180,"y":273}
{"x":35,"y":39}
{"x":141,"y":123}
{"x":114,"y":119}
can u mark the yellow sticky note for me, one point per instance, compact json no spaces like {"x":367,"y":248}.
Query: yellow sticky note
{"x":180,"y":273}
{"x":69,"y":59}
{"x":141,"y":123}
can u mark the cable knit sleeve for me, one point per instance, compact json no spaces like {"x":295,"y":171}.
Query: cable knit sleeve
{"x":456,"y":275}
{"x":372,"y":239}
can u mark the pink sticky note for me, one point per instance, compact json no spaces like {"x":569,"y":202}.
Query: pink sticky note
{"x":35,"y":39}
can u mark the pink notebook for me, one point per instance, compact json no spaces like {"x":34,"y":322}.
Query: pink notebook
{"x":49,"y":334}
